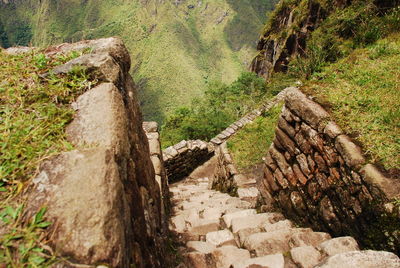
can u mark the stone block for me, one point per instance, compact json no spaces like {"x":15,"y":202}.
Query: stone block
{"x":339,"y":245}
{"x":285,"y":126}
{"x":306,"y":256}
{"x":270,"y":261}
{"x":350,"y":152}
{"x":226,"y":256}
{"x":299,"y":175}
{"x":309,"y":239}
{"x":364,"y":259}
{"x":221,"y":238}
{"x":305,"y":108}
{"x":286,"y":142}
{"x":390,"y":187}
{"x":227,"y":218}
{"x":200,"y":246}
{"x":269,"y":243}
{"x":332,"y":130}
{"x":280,"y":225}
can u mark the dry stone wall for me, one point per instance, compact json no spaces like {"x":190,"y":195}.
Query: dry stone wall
{"x":320,"y":178}
{"x":152,"y":133}
{"x":102,"y":197}
{"x":182,"y":158}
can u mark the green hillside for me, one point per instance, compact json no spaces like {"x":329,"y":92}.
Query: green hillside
{"x":177,"y":47}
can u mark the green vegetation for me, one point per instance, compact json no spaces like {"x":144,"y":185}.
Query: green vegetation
{"x":175,"y":50}
{"x":362,"y":92}
{"x":21,"y":244}
{"x":351,"y":64}
{"x":33,"y":115}
{"x":222,"y":105}
{"x":344,"y":30}
{"x":249,"y":145}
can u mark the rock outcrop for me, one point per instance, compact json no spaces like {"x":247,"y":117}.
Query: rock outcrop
{"x":103,"y":197}
{"x":319,"y":177}
{"x":286,"y":35}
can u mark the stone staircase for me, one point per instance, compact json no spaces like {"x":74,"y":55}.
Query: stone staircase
{"x":220,"y":231}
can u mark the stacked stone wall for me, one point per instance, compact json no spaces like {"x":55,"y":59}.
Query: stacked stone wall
{"x":182,"y":158}
{"x":226,"y":177}
{"x":319,"y":177}
{"x":156,"y":156}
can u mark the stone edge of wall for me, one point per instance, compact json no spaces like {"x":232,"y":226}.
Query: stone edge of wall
{"x":116,"y":163}
{"x":313,"y":166}
{"x":156,"y":156}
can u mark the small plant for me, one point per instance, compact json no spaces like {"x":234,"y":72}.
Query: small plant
{"x":41,"y":61}
{"x":21,"y":246}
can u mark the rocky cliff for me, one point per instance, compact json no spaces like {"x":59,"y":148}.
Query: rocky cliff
{"x":289,"y":31}
{"x":103,"y":198}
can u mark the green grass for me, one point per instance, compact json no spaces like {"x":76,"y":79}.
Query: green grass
{"x":362,"y":93}
{"x":250,"y":144}
{"x":34,"y":112}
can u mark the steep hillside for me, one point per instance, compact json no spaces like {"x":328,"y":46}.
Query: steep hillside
{"x":321,"y":32}
{"x":177,"y":46}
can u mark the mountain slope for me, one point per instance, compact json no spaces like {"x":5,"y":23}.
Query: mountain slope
{"x":177,"y":46}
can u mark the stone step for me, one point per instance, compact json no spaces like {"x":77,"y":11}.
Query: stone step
{"x":221,"y":238}
{"x":254,"y":221}
{"x":200,"y":246}
{"x":238,"y":214}
{"x":203,"y":227}
{"x":226,"y":256}
{"x":270,"y":261}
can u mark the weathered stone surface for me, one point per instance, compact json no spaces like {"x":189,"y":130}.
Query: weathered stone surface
{"x":239,"y":214}
{"x":200,"y":246}
{"x":198,"y":260}
{"x":254,"y":221}
{"x":364,"y":259}
{"x":204,"y":227}
{"x":244,"y":233}
{"x":283,"y":124}
{"x":68,"y":182}
{"x":302,"y":160}
{"x":332,"y":130}
{"x":270,"y":261}
{"x":305,"y":108}
{"x":286,"y":142}
{"x":339,"y":245}
{"x":308,"y":239}
{"x":283,"y":165}
{"x":226,"y":256}
{"x":285,"y":224}
{"x":103,"y":198}
{"x":299,"y":175}
{"x":390,"y":187}
{"x":350,"y":152}
{"x":269,"y":179}
{"x":269,"y":243}
{"x":306,"y":256}
{"x":102,"y":65}
{"x":219,"y":238}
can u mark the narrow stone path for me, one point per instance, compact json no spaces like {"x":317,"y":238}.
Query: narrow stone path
{"x":220,"y":231}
